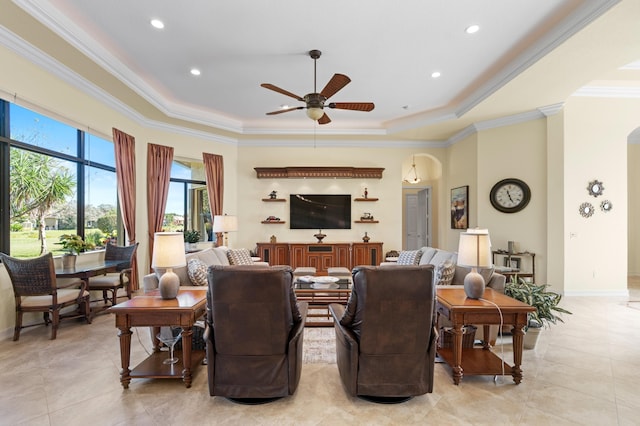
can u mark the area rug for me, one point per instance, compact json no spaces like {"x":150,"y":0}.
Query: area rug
{"x":319,"y":345}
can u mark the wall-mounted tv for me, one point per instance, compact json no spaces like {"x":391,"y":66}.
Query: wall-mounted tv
{"x":313,"y":211}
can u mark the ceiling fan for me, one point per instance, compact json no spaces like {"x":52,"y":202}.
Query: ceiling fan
{"x":315,"y":102}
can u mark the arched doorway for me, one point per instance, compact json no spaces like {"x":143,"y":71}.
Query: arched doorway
{"x":420,"y":187}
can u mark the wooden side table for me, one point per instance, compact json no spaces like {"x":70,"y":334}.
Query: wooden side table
{"x":151,"y":310}
{"x":453,"y":303}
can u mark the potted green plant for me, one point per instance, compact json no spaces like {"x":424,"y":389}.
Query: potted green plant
{"x":191,"y":237}
{"x":73,"y":244}
{"x":546,"y":303}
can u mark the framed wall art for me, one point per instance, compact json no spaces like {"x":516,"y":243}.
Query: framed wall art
{"x":460,"y":207}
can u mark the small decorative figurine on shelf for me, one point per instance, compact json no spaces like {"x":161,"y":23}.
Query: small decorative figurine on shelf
{"x":366,"y":193}
{"x":366,"y":216}
{"x":366,"y":238}
{"x":273,"y":195}
{"x":273,"y":239}
{"x":273,"y":219}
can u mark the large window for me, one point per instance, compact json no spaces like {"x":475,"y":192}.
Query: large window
{"x":61,"y":181}
{"x":187,"y":203}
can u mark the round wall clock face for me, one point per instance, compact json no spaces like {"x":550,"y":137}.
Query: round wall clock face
{"x":510,"y":195}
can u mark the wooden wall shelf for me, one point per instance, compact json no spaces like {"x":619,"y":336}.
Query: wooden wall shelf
{"x":367,"y":221}
{"x":365,"y":199}
{"x":319,"y":172}
{"x":271,"y":200}
{"x":273,"y":221}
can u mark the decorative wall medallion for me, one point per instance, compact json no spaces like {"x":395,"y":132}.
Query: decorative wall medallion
{"x":595,"y":188}
{"x":606,"y":206}
{"x":586,"y":209}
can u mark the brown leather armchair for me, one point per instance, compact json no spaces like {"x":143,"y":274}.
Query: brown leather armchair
{"x":255,"y":330}
{"x":386,"y":335}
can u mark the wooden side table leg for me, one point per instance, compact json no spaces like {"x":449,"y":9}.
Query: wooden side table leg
{"x":518,"y":343}
{"x":125,"y":355}
{"x":457,"y":353}
{"x":187,"y":334}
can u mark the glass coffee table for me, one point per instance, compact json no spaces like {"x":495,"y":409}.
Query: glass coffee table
{"x":319,"y":292}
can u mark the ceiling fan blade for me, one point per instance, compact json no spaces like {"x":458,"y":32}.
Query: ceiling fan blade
{"x":355,"y":106}
{"x":324,"y":119}
{"x":279,"y":90}
{"x":337,"y":82}
{"x":280,"y":111}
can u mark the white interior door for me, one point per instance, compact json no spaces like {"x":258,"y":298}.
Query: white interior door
{"x":424,"y":217}
{"x":418,"y":219}
{"x":411,"y":222}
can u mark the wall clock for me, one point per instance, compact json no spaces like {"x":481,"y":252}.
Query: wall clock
{"x":510,"y":195}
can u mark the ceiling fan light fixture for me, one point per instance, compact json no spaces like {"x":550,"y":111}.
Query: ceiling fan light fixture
{"x":315,"y":113}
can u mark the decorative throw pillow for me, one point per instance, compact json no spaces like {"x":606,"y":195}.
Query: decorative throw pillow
{"x":197,"y":270}
{"x":239,"y":257}
{"x":445,"y":272}
{"x":409,"y":257}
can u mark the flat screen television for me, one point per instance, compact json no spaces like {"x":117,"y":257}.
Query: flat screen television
{"x":313,"y":211}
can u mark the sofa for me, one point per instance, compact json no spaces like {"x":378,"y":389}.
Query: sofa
{"x":441,"y":259}
{"x":194,"y":273}
{"x":447,"y":272}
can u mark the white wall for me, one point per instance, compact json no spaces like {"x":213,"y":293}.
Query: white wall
{"x":388,"y":210}
{"x":516,"y":151}
{"x":633,"y":190}
{"x":461,"y":169}
{"x":596,"y":134}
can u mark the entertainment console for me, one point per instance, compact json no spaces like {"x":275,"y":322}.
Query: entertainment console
{"x":321,"y":256}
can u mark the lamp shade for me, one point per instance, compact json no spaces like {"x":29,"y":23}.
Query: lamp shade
{"x":474,"y":249}
{"x":168,"y":250}
{"x":225,"y":223}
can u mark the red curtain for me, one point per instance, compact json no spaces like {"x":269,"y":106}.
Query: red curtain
{"x":159,"y":160}
{"x":214,"y":172}
{"x":125,"y":151}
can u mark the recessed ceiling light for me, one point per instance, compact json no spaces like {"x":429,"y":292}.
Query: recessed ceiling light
{"x":435,"y":74}
{"x":156,"y":23}
{"x":284,"y":106}
{"x":195,"y":71}
{"x":472,"y":29}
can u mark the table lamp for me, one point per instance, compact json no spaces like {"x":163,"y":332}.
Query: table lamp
{"x":168,"y":253}
{"x":225,"y":224}
{"x":474,"y":251}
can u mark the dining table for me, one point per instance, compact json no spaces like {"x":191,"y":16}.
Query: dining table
{"x":87,"y":270}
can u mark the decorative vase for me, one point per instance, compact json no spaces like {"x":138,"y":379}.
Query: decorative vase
{"x":474,"y":285}
{"x":366,"y":238}
{"x":531,"y":337}
{"x":169,"y":285}
{"x":319,"y":235}
{"x":69,"y":260}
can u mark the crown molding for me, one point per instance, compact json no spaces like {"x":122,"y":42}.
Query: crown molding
{"x":59,"y":70}
{"x":74,"y":35}
{"x":590,"y":11}
{"x":608,"y":92}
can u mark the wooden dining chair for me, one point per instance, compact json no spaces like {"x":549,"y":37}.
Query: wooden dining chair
{"x":113,"y":281}
{"x":35,"y":289}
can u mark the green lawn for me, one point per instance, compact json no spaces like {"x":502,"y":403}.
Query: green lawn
{"x":26,"y":244}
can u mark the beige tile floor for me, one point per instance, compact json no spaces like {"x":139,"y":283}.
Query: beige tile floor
{"x":585,"y":371}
